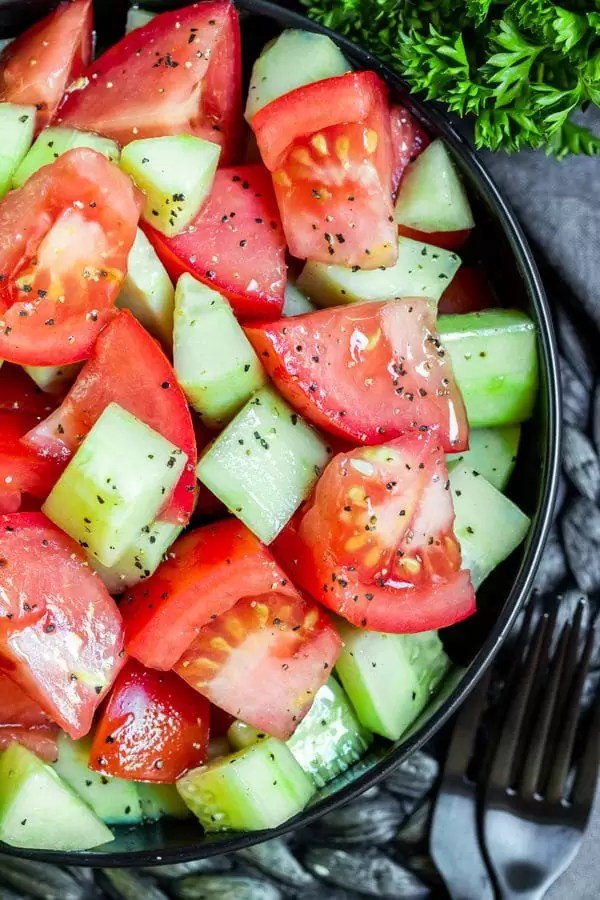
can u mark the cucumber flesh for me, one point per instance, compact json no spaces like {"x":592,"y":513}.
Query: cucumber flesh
{"x":294,"y":302}
{"x":17,"y":125}
{"x":214,"y":361}
{"x":53,"y":142}
{"x":264,"y":464}
{"x":259,"y":787}
{"x":114,"y":800}
{"x":137,"y":17}
{"x":389,"y":678}
{"x":421,"y":270}
{"x":495,"y":362}
{"x":295,"y":58}
{"x":160,"y":800}
{"x":492,"y":452}
{"x":488,"y":525}
{"x":39,"y":811}
{"x":116,"y":482}
{"x":147,"y":291}
{"x":54,"y":379}
{"x":432,"y":196}
{"x":176,"y":173}
{"x":141,"y":559}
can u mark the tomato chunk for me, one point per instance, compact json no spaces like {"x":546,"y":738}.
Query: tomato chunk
{"x":153,"y":727}
{"x":67,"y":648}
{"x":449,"y":240}
{"x":408,"y":139}
{"x":21,"y":469}
{"x":375,"y":542}
{"x":207,"y":572}
{"x":18,"y":393}
{"x":469,"y":291}
{"x":64,"y":241}
{"x":178,"y":74}
{"x":263,"y":660}
{"x":127,"y":367}
{"x":236,"y":243}
{"x":366,"y":372}
{"x":37,"y":67}
{"x":328,"y":145}
{"x":23,"y":721}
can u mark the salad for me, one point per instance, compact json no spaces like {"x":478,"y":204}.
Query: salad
{"x":256,"y":421}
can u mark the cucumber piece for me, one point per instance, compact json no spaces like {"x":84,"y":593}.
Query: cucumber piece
{"x":492,"y":452}
{"x":176,"y":173}
{"x":137,"y":17}
{"x":294,"y":301}
{"x":241,"y":735}
{"x":389,"y":678}
{"x":432,"y":196}
{"x":495,"y":362}
{"x":264,"y":464}
{"x":54,"y":379}
{"x":295,"y":58}
{"x":158,"y":801}
{"x":422,"y":270}
{"x":147,"y":291}
{"x":141,"y":559}
{"x":488,"y":525}
{"x":38,"y":811}
{"x":114,"y":800}
{"x":117,"y":481}
{"x":53,"y":142}
{"x":17,"y":125}
{"x":214,"y":361}
{"x":259,"y":787}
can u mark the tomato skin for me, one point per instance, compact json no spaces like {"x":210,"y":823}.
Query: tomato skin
{"x":235,"y":245}
{"x":178,"y":74}
{"x":23,"y":721}
{"x":68,"y":657}
{"x":366,"y":372}
{"x":61,"y":45}
{"x":448,"y":240}
{"x":114,"y":375}
{"x":408,"y":140}
{"x":21,"y":469}
{"x":263,"y":660}
{"x":153,"y":727}
{"x":469,"y":291}
{"x":207,"y":572}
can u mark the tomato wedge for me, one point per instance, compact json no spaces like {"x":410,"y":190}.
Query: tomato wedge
{"x":23,"y":721}
{"x":469,"y":291}
{"x":178,"y":74}
{"x":67,"y":648}
{"x":64,"y":241}
{"x":263,"y":660}
{"x":328,"y":145}
{"x":207,"y":572}
{"x":375,"y":542}
{"x":367,"y":372}
{"x":21,"y":469}
{"x":127,"y":367}
{"x":18,"y":393}
{"x":449,"y":240}
{"x":236,"y":243}
{"x":37,"y":67}
{"x":408,"y":139}
{"x":153,"y":727}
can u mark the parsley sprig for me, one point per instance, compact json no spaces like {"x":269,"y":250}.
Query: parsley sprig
{"x":522,"y":68}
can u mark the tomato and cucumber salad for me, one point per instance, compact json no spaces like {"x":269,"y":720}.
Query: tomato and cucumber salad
{"x":257,"y":418}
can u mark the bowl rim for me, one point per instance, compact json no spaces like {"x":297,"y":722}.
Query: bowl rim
{"x":541,"y":521}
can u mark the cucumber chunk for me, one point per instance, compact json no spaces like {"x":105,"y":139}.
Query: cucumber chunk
{"x":114,"y":800}
{"x":422,"y":270}
{"x":259,"y":787}
{"x":38,"y":811}
{"x":53,"y":142}
{"x":17,"y":124}
{"x":295,"y":58}
{"x":214,"y":361}
{"x":264,"y":464}
{"x":54,"y":379}
{"x":147,"y":291}
{"x":488,"y":525}
{"x":495,"y":362}
{"x":160,"y":800}
{"x":176,"y":173}
{"x":389,"y":678}
{"x":492,"y":452}
{"x":116,"y":482}
{"x":137,"y":17}
{"x":432,"y":196}
{"x":141,"y":559}
{"x":294,"y":301}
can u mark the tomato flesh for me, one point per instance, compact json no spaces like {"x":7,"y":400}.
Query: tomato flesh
{"x":18,"y":393}
{"x":408,"y":140}
{"x":469,"y":291}
{"x":23,"y":721}
{"x":21,"y":469}
{"x":448,"y":240}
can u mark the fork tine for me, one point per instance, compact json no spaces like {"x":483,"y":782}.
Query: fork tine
{"x":462,"y":742}
{"x":587,"y":771}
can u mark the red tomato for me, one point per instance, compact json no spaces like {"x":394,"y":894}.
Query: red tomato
{"x":366,"y":371}
{"x":219,"y":721}
{"x":449,"y":240}
{"x":236,"y":244}
{"x":207,"y":572}
{"x":328,"y":145}
{"x":23,"y":721}
{"x":10,"y":501}
{"x":179,"y":73}
{"x":127,"y":367}
{"x":68,"y":658}
{"x":37,"y":67}
{"x":152,"y":728}
{"x":375,"y":541}
{"x":408,"y":139}
{"x":21,"y":469}
{"x":64,"y":241}
{"x":20,"y":394}
{"x":263,"y":660}
{"x":469,"y":291}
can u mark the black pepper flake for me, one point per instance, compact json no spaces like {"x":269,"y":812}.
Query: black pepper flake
{"x":243,"y":243}
{"x":50,"y":628}
{"x":99,"y":499}
{"x":165,"y":385}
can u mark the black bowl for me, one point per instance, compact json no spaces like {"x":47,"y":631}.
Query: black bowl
{"x":499,"y":243}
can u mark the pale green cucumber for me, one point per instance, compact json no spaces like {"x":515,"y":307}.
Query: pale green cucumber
{"x":141,"y":559}
{"x":53,"y":142}
{"x":431,"y":196}
{"x":147,"y":291}
{"x":158,"y":801}
{"x":54,"y":379}
{"x":17,"y":125}
{"x":137,"y":17}
{"x":294,"y":301}
{"x":492,"y":452}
